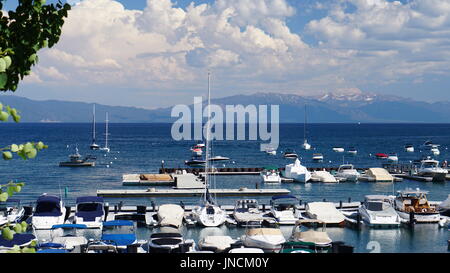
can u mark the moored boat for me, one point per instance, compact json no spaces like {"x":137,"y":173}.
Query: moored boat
{"x":267,"y":239}
{"x":297,"y":172}
{"x":413,"y":204}
{"x":377,"y":211}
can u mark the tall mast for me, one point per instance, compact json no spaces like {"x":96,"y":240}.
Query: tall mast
{"x":304,"y":126}
{"x":207,"y":137}
{"x":93,"y":124}
{"x":106,"y":134}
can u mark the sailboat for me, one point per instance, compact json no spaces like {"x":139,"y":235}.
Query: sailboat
{"x":106,"y":148}
{"x":93,"y":146}
{"x":208,"y":213}
{"x":305,"y":145}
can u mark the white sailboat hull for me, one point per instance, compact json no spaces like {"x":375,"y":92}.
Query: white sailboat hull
{"x":204,"y":216}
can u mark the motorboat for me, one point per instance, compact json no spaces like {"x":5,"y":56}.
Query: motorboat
{"x":323,"y":176}
{"x":283,"y":209}
{"x":196,"y":151}
{"x":290,"y":154}
{"x":76,"y":161}
{"x":196,"y":161}
{"x":348,"y":172}
{"x":18,"y":240}
{"x":68,"y":239}
{"x":89,"y":211}
{"x":208,"y":213}
{"x":49,"y":211}
{"x":170,"y":215}
{"x":338,"y":149}
{"x":352,"y":151}
{"x":308,"y":241}
{"x":169,"y":242}
{"x":392,"y":157}
{"x":270,"y":175}
{"x":94,"y":146}
{"x":267,"y":239}
{"x":246,"y":250}
{"x":381,"y":156}
{"x":297,"y":172}
{"x":430,"y":168}
{"x":119,"y":234}
{"x":11,"y":211}
{"x":218,"y":158}
{"x":429,"y":144}
{"x":325,"y":212}
{"x":414,"y":204}
{"x":435,"y":150}
{"x":317,"y":157}
{"x":377,"y":211}
{"x":246,"y":213}
{"x":409,"y":148}
{"x":106,"y":148}
{"x":216,"y":243}
{"x":271,"y":151}
{"x":377,"y":175}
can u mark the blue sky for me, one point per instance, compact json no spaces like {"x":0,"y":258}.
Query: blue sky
{"x":156,"y":53}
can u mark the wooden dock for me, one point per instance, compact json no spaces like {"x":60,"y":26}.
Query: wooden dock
{"x":152,"y":192}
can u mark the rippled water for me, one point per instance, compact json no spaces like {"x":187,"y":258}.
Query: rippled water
{"x":137,"y":148}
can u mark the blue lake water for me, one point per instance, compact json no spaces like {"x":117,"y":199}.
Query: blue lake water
{"x":139,"y":148}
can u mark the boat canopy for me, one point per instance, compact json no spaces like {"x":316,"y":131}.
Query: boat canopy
{"x":89,"y":199}
{"x":118,"y":223}
{"x":48,"y":205}
{"x":119,"y":239}
{"x":69,"y":226}
{"x":18,"y":239}
{"x":53,"y":250}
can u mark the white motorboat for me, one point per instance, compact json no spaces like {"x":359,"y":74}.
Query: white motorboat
{"x":377,"y":211}
{"x":94,"y":146}
{"x":169,"y":242}
{"x":435,"y":150}
{"x":392,"y":157}
{"x":409,"y":148}
{"x":414,"y":203}
{"x":324,"y":177}
{"x":270,"y":175}
{"x":267,"y":239}
{"x":283,"y":209}
{"x":216,"y":243}
{"x":246,"y":213}
{"x":49,"y":211}
{"x":208,"y":213}
{"x":69,"y":239}
{"x":352,"y":151}
{"x":430,"y":168}
{"x":297,"y":172}
{"x":106,"y":148}
{"x":219,"y":158}
{"x":271,"y":151}
{"x":170,"y":215}
{"x":290,"y":154}
{"x":338,"y":149}
{"x":196,"y":151}
{"x":347,"y":172}
{"x":317,"y":157}
{"x":11,"y":211}
{"x":325,"y":212}
{"x":89,"y":211}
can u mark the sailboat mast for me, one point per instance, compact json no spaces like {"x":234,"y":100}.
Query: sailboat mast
{"x":106,"y":139}
{"x":304,"y":126}
{"x":93,"y":124}
{"x":207,"y":137}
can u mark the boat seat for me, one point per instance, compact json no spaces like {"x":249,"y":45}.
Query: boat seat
{"x":422,"y":202}
{"x":407,"y":202}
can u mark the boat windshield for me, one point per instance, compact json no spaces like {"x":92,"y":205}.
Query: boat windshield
{"x":89,"y":207}
{"x":47,"y":209}
{"x":374,"y":206}
{"x":429,"y":164}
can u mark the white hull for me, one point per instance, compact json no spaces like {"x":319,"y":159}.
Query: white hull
{"x":206,"y":219}
{"x":421,"y":217}
{"x":271,"y":178}
{"x":89,"y":224}
{"x":377,"y":220}
{"x":338,"y":150}
{"x":46,"y":222}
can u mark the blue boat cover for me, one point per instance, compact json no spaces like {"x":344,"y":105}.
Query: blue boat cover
{"x":89,"y":199}
{"x":18,"y":239}
{"x":50,"y":245}
{"x":52,"y":250}
{"x":118,"y":223}
{"x":287,"y":196}
{"x":68,"y":226}
{"x":120,"y":239}
{"x":89,"y":210}
{"x":48,"y":205}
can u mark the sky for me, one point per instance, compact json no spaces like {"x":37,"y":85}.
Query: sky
{"x":156,"y":53}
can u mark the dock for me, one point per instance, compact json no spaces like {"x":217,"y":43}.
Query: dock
{"x":152,"y":192}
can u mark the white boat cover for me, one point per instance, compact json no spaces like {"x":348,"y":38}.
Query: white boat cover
{"x":70,"y":242}
{"x":325,"y":211}
{"x":380,"y":174}
{"x":170,"y":215}
{"x":219,"y":242}
{"x":324,"y":176}
{"x":263,"y":231}
{"x":312,"y":236}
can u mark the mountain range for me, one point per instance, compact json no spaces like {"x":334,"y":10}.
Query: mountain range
{"x":325,"y":108}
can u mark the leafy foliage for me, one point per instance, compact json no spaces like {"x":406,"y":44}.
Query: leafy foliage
{"x":32,"y":26}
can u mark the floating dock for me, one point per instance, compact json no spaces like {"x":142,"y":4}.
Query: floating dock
{"x":147,"y":180}
{"x":152,"y":192}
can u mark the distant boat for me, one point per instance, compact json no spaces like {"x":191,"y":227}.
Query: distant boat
{"x":409,"y":148}
{"x":94,"y":146}
{"x":348,"y":172}
{"x":270,"y":175}
{"x":324,"y":177}
{"x":352,"y":151}
{"x":290,"y":154}
{"x":197,"y":151}
{"x":218,"y":158}
{"x":271,"y":151}
{"x":392,"y":157}
{"x":297,"y":172}
{"x":434,"y":150}
{"x":381,"y":156}
{"x":317,"y":157}
{"x":106,"y":148}
{"x":338,"y":149}
{"x":430,"y":168}
{"x":195,"y":162}
{"x":76,"y":161}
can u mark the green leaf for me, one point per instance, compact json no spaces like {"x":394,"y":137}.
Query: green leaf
{"x":7,"y":155}
{"x":2,"y":65}
{"x":4,"y":116}
{"x":3,"y":196}
{"x":18,"y":228}
{"x":11,"y":190}
{"x":28,"y":147}
{"x":17,"y":188}
{"x":40,"y":145}
{"x":31,"y":153}
{"x":8,"y":61}
{"x":3,"y":80}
